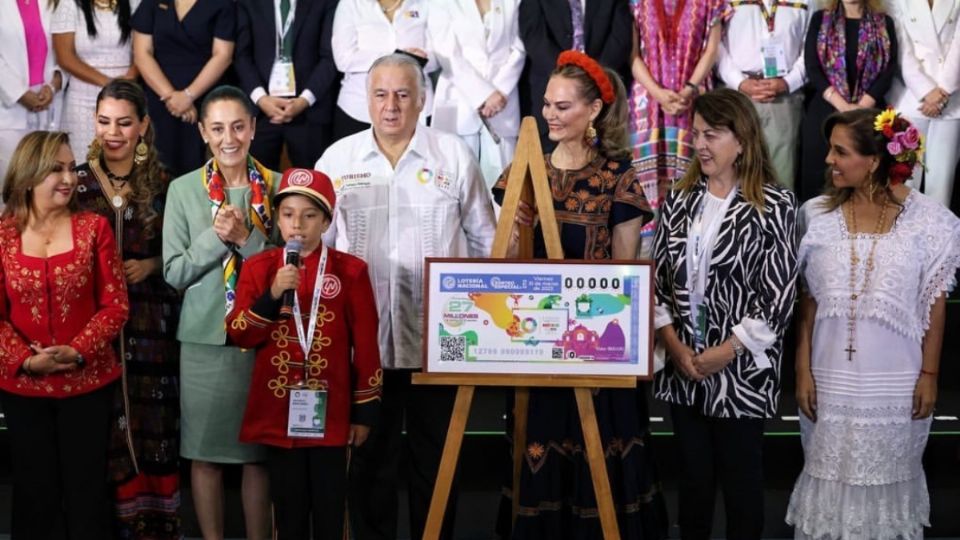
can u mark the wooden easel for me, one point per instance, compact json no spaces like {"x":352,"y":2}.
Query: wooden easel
{"x":527,"y":182}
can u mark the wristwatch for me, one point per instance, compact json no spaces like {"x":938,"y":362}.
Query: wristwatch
{"x":737,"y":345}
{"x":80,"y":361}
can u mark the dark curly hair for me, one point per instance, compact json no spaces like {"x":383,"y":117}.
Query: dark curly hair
{"x":148,"y":180}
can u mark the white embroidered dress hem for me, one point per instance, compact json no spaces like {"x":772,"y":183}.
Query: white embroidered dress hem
{"x":863,"y":476}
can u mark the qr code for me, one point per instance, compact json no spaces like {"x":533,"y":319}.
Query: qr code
{"x":453,"y":348}
{"x":557,"y":353}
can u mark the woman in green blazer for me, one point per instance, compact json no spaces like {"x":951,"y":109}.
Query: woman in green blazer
{"x":216,"y":217}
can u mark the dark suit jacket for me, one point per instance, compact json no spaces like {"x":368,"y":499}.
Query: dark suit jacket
{"x":546,"y":30}
{"x":313,"y":65}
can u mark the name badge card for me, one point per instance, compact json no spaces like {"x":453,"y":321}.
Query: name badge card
{"x":698,"y":310}
{"x":307,"y":414}
{"x":283,"y":82}
{"x":774,"y":59}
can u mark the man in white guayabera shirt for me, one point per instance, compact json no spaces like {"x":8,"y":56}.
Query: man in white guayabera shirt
{"x":761,"y":55}
{"x":404,"y":192}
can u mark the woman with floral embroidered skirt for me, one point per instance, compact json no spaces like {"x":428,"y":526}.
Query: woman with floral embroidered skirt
{"x":600,"y":209}
{"x":877,"y":259}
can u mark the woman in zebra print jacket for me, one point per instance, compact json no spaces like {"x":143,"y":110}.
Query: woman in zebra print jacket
{"x":726,"y":272}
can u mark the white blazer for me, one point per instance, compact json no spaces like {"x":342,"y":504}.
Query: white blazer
{"x":14,"y":71}
{"x":474,"y":64}
{"x":929,"y":43}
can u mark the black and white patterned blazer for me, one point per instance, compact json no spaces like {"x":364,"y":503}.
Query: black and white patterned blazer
{"x":753,"y":272}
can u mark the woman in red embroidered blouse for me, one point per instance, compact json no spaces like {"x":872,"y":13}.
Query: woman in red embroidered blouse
{"x":63,"y":301}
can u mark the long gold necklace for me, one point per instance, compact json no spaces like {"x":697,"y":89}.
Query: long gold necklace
{"x":867,"y":272}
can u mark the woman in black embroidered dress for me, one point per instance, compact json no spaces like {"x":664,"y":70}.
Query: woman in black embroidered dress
{"x":600,"y":209}
{"x":124,"y":182}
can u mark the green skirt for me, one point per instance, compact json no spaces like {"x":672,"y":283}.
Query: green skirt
{"x":214,"y":381}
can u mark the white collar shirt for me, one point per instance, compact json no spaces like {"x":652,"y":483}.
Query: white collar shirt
{"x":362,"y":33}
{"x":433,"y":204}
{"x":746,"y":31}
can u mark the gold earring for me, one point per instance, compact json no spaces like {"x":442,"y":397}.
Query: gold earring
{"x":140,"y":152}
{"x":590,"y":135}
{"x":93,"y":151}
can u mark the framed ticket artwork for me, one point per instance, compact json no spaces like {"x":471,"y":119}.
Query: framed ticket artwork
{"x":544,"y":317}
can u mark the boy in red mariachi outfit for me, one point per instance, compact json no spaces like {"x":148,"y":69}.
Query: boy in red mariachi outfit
{"x":308,"y":412}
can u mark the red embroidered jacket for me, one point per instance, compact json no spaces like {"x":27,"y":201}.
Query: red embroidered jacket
{"x":344,"y":351}
{"x":76,"y":298}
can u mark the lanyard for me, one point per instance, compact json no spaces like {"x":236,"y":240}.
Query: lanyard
{"x":769,"y":16}
{"x":283,"y":28}
{"x":703,"y":236}
{"x":314,"y":308}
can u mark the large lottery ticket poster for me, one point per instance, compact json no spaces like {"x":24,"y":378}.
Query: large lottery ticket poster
{"x":538,"y":317}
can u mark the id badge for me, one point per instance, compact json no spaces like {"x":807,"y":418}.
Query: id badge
{"x":774,"y":59}
{"x":283,"y":83}
{"x":698,"y":309}
{"x":307,"y":414}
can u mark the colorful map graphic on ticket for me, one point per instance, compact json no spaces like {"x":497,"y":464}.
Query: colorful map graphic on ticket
{"x":542,"y":318}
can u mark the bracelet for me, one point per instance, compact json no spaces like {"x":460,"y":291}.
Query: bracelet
{"x":186,"y":90}
{"x":26,"y":367}
{"x":737,"y":345}
{"x":695,"y":88}
{"x":931,"y":373}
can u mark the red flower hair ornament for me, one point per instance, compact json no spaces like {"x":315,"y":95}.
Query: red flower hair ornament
{"x":593,"y":69}
{"x":904,"y":144}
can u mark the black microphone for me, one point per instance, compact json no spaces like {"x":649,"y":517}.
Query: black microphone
{"x":294,"y":245}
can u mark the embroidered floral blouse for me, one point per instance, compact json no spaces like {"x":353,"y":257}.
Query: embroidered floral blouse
{"x":76,"y":298}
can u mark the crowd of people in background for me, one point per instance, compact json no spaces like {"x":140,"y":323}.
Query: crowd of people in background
{"x":746,"y":146}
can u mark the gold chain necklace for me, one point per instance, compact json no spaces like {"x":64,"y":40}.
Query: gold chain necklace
{"x":867,"y":272}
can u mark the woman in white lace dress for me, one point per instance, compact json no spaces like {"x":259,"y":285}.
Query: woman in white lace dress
{"x":877,"y":259}
{"x":92,"y":42}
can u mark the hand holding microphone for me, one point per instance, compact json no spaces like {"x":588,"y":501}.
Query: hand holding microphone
{"x":287,"y":280}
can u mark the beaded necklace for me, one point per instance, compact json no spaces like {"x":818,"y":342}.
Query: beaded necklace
{"x":868,"y":272}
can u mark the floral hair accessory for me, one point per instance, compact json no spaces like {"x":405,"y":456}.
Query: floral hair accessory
{"x":593,"y":69}
{"x":904,"y":143}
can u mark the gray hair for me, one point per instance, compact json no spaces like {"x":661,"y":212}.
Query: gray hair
{"x":405,"y":61}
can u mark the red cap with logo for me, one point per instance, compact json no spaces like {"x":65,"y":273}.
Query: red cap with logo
{"x":309,"y":183}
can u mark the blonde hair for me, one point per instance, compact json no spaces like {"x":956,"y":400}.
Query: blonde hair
{"x":34,"y":159}
{"x":730,"y":109}
{"x":611,"y":123}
